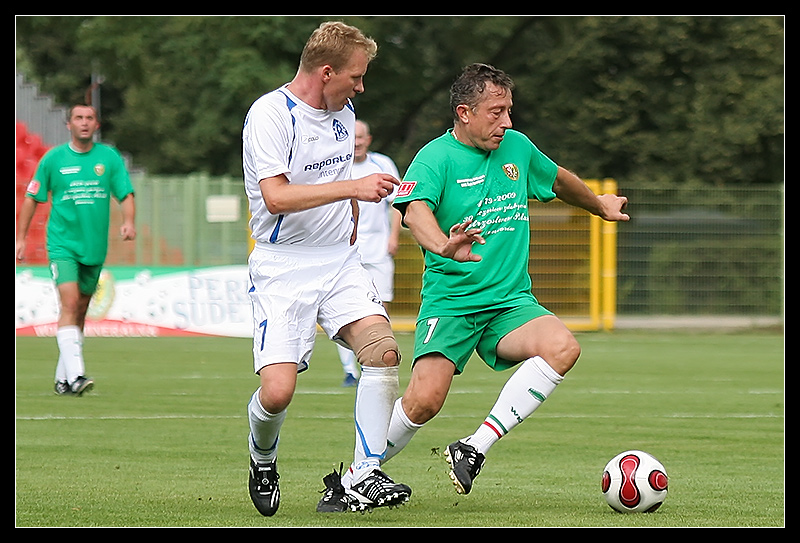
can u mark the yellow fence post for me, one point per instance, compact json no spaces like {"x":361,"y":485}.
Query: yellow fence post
{"x":595,"y":263}
{"x":609,"y":249}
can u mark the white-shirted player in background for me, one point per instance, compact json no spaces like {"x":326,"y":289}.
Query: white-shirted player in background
{"x":298,"y":144}
{"x":378,"y":233}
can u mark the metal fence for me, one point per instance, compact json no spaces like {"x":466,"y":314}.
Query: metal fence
{"x":195,"y":220}
{"x":702,"y":251}
{"x":686,"y":251}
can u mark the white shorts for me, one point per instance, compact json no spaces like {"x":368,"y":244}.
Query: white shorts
{"x":292,"y":289}
{"x":383,"y":276}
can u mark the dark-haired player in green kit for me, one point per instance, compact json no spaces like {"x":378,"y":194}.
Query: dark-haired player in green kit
{"x":474,"y":183}
{"x":81,"y":177}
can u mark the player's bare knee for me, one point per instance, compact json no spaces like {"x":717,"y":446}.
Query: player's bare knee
{"x":569,"y":352}
{"x":274,"y":401}
{"x":562,"y":352}
{"x":376,"y":346}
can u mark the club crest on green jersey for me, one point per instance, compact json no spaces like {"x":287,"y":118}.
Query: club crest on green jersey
{"x":511,"y":171}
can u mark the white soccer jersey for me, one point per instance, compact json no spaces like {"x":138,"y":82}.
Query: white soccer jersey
{"x":284,"y":135}
{"x":374,"y":226}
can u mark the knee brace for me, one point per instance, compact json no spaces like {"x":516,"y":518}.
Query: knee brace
{"x":373,"y":343}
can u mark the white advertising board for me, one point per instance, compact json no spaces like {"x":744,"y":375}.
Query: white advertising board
{"x":138,"y":302}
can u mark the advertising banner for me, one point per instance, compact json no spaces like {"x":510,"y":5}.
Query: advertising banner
{"x":143,"y":302}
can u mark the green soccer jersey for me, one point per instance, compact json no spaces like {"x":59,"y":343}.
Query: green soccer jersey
{"x":80,"y":185}
{"x":460,"y":182}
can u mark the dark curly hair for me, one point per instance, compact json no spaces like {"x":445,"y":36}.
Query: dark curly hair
{"x":469,"y":86}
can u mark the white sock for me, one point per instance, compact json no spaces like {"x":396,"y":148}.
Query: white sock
{"x":522,"y":394}
{"x":70,"y":359}
{"x":265,"y":429}
{"x":375,"y":396}
{"x":348,"y":359}
{"x":401,"y":430}
{"x":61,"y":370}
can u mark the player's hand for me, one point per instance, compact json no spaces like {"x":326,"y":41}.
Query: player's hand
{"x":612,"y":207}
{"x":127,"y":232}
{"x":460,"y":240}
{"x":375,"y":187}
{"x":20,"y":250}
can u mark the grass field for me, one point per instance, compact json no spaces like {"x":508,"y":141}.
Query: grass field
{"x":161,"y":440}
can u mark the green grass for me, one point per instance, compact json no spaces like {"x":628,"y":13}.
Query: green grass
{"x":161,"y":440}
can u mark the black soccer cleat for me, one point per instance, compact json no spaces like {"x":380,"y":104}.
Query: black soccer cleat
{"x":80,"y":385}
{"x":263,"y":484}
{"x":465,"y":464}
{"x":335,"y":498}
{"x":62,"y":388}
{"x":378,"y":490}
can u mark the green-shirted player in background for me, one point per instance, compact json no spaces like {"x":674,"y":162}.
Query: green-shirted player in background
{"x":81,"y":176}
{"x":474,"y":183}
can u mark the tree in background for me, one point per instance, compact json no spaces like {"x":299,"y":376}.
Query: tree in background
{"x":647,"y":99}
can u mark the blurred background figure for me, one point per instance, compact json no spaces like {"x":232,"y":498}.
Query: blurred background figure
{"x":378,"y":233}
{"x":80,"y":177}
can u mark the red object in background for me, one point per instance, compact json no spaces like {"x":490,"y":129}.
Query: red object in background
{"x":29,"y":150}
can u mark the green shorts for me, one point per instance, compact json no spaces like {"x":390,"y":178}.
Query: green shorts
{"x":457,"y":338}
{"x":70,"y":271}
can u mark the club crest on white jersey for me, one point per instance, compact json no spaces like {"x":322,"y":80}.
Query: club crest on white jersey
{"x":339,"y":130}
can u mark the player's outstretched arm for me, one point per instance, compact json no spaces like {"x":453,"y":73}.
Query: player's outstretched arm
{"x":281,"y":196}
{"x":572,"y":190}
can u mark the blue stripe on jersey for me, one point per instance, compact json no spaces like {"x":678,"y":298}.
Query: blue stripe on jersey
{"x":274,"y":236}
{"x":291,"y":104}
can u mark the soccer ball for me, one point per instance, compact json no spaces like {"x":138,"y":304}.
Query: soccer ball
{"x":634,"y":482}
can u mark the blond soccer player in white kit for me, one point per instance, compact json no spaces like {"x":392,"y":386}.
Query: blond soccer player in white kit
{"x":304,"y":270}
{"x":378,"y":233}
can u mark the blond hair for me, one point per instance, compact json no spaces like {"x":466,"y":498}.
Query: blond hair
{"x":333,"y":43}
